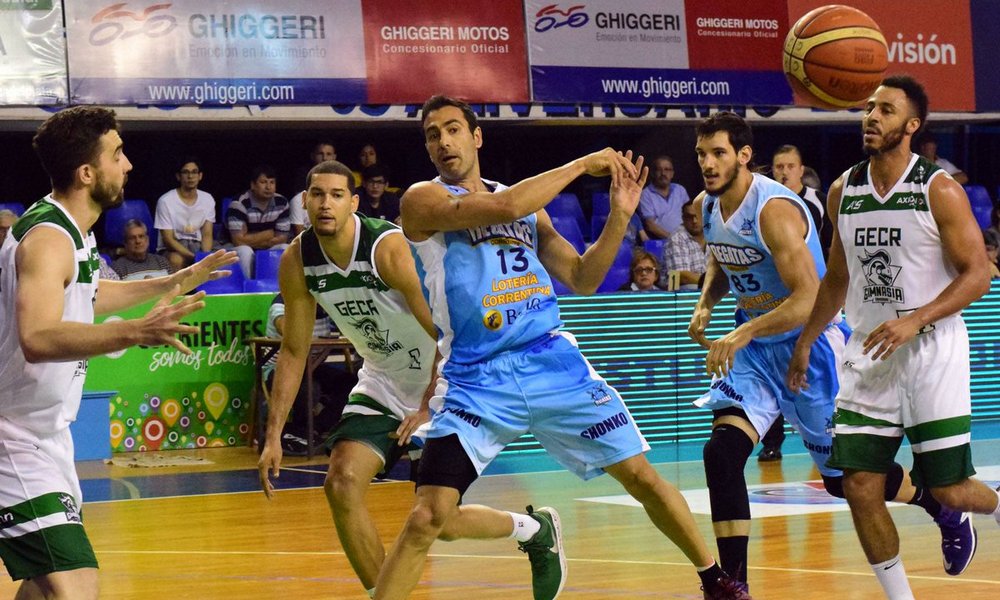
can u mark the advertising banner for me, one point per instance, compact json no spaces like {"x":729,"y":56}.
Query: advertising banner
{"x":928,"y":39}
{"x":168,"y":400}
{"x":657,"y":51}
{"x":985,"y":25}
{"x":471,"y":50}
{"x":32,"y":53}
{"x":215,"y":52}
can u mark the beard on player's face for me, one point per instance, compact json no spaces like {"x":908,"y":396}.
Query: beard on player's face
{"x":891,"y":139}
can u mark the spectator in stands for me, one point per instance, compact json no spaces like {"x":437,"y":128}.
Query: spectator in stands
{"x":7,"y":220}
{"x":787,"y":169}
{"x":258,"y":219}
{"x":661,"y":201}
{"x":374,"y":200}
{"x":928,"y":149}
{"x":105,"y":271}
{"x":185,"y":216}
{"x":137,"y":262}
{"x":685,"y":252}
{"x":644,"y":273}
{"x":332,"y":384}
{"x":367,"y":156}
{"x":322,"y":151}
{"x":992,"y":241}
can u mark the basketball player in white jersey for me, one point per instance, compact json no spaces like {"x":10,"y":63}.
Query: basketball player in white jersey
{"x":49,"y":295}
{"x":906,"y":260}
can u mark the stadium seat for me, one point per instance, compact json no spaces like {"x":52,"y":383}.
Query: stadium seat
{"x":266,"y":263}
{"x":16,"y":207}
{"x":227,"y":285}
{"x":601,"y":204}
{"x":655,"y":247}
{"x":219,"y":231}
{"x":567,"y":205}
{"x":252,"y":286}
{"x":569,"y":229}
{"x":597,"y":226}
{"x":115,"y":219}
{"x":982,"y":205}
{"x":618,"y":274}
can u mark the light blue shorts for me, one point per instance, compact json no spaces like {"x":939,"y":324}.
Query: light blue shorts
{"x":548,"y":389}
{"x":756,"y":385}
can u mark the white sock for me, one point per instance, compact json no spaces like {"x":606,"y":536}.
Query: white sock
{"x":892,"y":576}
{"x":996,"y":511}
{"x":524,"y":527}
{"x":371,"y":593}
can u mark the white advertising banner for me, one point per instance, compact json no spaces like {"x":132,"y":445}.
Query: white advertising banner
{"x":32,"y":53}
{"x":215,"y":52}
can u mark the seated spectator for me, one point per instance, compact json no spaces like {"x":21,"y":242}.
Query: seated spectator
{"x":928,"y":149}
{"x":258,"y":219}
{"x":644,"y":273}
{"x":995,"y":220}
{"x":137,"y":262}
{"x":7,"y":220}
{"x":332,"y":384}
{"x":661,"y":200}
{"x":685,"y":252}
{"x":374,"y":200}
{"x":185,"y":216}
{"x":105,"y":271}
{"x":992,"y":241}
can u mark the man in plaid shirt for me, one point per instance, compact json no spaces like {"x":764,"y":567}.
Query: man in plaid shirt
{"x":685,"y":252}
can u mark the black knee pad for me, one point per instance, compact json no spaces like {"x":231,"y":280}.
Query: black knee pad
{"x":445,"y":463}
{"x":834,"y":485}
{"x":726,"y":454}
{"x":893,"y":481}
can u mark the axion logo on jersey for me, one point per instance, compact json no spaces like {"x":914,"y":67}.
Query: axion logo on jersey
{"x":376,"y":339}
{"x":880,"y":274}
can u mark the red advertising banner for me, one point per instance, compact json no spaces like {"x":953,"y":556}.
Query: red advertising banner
{"x":736,"y":34}
{"x":928,"y":39}
{"x":471,"y":50}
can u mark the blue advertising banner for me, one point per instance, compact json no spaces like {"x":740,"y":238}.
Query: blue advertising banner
{"x":985,"y":21}
{"x":216,"y":52}
{"x":32,"y":53}
{"x":657,"y":51}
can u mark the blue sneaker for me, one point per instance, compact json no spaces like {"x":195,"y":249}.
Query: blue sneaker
{"x":958,"y":540}
{"x":545,"y":552}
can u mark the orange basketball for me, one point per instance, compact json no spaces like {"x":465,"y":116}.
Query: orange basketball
{"x":835,"y":56}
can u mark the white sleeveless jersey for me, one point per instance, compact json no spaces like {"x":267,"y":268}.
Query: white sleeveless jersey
{"x":892,"y":244}
{"x":44,"y":397}
{"x":398,"y":352}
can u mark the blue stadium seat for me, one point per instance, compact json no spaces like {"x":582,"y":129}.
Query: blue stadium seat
{"x":597,"y":226}
{"x":266,"y":264}
{"x":601,"y":204}
{"x":560,"y":289}
{"x":16,"y":207}
{"x":618,"y":274}
{"x":252,"y":286}
{"x":655,"y":247}
{"x":569,"y":229}
{"x":227,"y":285}
{"x":981,"y":204}
{"x":115,"y":219}
{"x":567,"y":205}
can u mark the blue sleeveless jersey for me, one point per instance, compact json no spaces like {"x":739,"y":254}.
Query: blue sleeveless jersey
{"x":739,"y":248}
{"x":486,"y":287}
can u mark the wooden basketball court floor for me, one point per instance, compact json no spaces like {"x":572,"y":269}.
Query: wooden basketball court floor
{"x":206,"y":532}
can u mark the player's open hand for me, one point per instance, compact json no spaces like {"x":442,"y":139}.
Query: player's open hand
{"x":162,"y":323}
{"x":625,"y":191}
{"x":269,"y":464}
{"x":798,"y":367}
{"x":889,"y":336}
{"x":410,"y":425}
{"x":206,"y":269}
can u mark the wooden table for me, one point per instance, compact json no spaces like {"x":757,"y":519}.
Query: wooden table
{"x":320,"y":348}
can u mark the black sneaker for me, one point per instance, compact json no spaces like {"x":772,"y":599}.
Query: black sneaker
{"x":769,"y":455}
{"x":293,"y":445}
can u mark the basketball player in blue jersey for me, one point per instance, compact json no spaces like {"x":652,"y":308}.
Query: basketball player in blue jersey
{"x":49,"y":295}
{"x":765,"y":250}
{"x":905,"y":261}
{"x":484,"y":254}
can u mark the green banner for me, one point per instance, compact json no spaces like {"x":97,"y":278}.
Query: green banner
{"x":168,"y":400}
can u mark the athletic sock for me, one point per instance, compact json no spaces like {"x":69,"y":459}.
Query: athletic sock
{"x":710,"y":575}
{"x":996,"y":511}
{"x":892,"y":576}
{"x":525,"y":527}
{"x":733,"y":555}
{"x":923,"y":498}
{"x":371,"y":593}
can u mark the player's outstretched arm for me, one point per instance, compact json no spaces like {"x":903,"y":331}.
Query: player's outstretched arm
{"x":830,"y":297}
{"x":963,"y":248}
{"x":113,"y":296}
{"x":44,"y":263}
{"x":583,"y":274}
{"x":296,"y":340}
{"x":427,"y":207}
